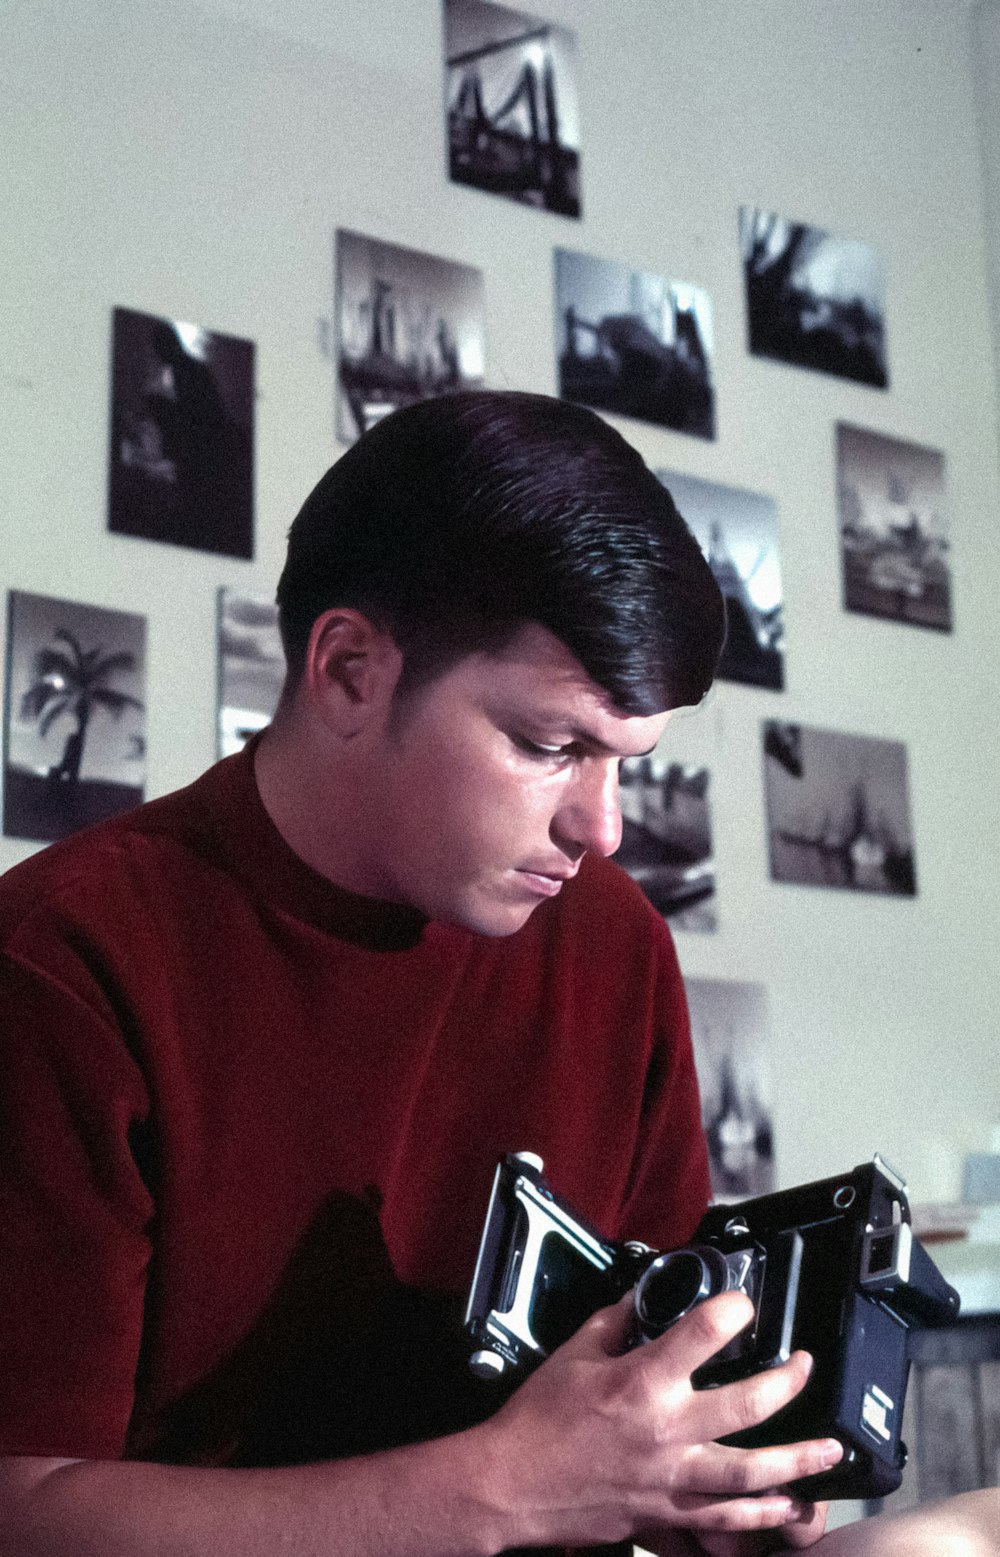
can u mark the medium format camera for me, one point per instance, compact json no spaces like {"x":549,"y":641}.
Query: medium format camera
{"x":831,"y":1267}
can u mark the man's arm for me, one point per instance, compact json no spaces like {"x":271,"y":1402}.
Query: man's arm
{"x":594,"y":1447}
{"x":967,"y":1525}
{"x":419,"y":1500}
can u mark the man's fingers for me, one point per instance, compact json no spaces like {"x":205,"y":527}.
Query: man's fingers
{"x":701,"y":1333}
{"x":719,"y":1469}
{"x":732,"y":1408}
{"x":609,"y":1330}
{"x":684,"y":1347}
{"x":808,"y":1528}
{"x":771,"y":1511}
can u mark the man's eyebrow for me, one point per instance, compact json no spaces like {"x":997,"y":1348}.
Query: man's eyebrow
{"x":582,"y":737}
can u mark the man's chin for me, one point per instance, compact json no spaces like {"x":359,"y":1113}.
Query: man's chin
{"x":493,"y":919}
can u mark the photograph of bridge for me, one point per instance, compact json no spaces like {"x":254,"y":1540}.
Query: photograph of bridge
{"x":838,"y":810}
{"x":409,"y":326}
{"x":635,"y":344}
{"x":813,"y":300}
{"x":738,"y":532}
{"x":511,"y":105}
{"x":893,"y":528}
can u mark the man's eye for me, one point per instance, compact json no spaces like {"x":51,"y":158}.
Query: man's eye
{"x":538,"y":749}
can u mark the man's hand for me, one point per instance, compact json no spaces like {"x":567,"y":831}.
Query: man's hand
{"x":799,"y":1533}
{"x":602,"y":1445}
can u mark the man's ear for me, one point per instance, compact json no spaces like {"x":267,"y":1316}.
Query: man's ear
{"x":351,"y":669}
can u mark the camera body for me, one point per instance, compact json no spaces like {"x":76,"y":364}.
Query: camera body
{"x":831,"y":1267}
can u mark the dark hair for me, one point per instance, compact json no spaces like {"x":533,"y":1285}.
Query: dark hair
{"x":455,"y":521}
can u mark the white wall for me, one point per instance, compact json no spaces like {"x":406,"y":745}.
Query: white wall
{"x":985,"y":29}
{"x":194,"y":163}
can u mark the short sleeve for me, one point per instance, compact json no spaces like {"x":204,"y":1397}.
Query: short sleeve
{"x":74,"y":1214}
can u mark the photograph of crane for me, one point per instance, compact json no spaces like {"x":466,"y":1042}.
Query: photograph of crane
{"x":813,"y":300}
{"x":409,"y":326}
{"x":738,"y":532}
{"x":635,"y":344}
{"x":511,"y":105}
{"x":730,"y":1033}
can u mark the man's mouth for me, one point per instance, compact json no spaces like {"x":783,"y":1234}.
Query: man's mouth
{"x":547,"y":882}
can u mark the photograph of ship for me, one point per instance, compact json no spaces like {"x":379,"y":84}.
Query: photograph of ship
{"x":893,"y":529}
{"x":74,"y":725}
{"x":251,"y":667}
{"x":667,"y":839}
{"x":738,"y":532}
{"x":634,"y":344}
{"x":838,"y":810}
{"x":181,"y":457}
{"x":729,"y":1028}
{"x":813,"y":300}
{"x":511,"y":105}
{"x":409,"y":326}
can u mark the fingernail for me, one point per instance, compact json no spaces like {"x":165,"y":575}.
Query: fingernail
{"x":832,"y":1452}
{"x":795,"y":1511}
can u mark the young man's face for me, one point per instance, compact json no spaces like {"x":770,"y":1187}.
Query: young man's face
{"x":493,"y":781}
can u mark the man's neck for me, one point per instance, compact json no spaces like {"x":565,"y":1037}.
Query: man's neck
{"x":312,"y":796}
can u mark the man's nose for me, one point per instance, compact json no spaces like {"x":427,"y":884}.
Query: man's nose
{"x":590,"y":818}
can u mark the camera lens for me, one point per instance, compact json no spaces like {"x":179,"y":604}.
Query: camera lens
{"x":674,"y":1283}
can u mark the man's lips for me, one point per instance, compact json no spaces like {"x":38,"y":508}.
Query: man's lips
{"x":547,"y":882}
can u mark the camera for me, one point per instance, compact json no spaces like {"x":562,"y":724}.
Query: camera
{"x":831,"y":1267}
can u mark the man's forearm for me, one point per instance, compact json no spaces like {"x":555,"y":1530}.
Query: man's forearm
{"x":430,"y":1500}
{"x":597,"y":1444}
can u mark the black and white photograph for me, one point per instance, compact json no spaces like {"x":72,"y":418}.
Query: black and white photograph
{"x":634,"y":344}
{"x":667,"y":839}
{"x":75,"y":716}
{"x":730,"y":1032}
{"x":182,"y":419}
{"x":893,"y":529}
{"x":838,"y":810}
{"x":738,"y":532}
{"x":409,"y":326}
{"x":251,"y":667}
{"x":510,"y":90}
{"x":813,"y":300}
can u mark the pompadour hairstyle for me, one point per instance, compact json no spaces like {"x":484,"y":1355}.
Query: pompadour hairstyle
{"x":455,"y":521}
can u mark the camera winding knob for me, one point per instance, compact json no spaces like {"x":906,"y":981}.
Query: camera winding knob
{"x":486,"y":1364}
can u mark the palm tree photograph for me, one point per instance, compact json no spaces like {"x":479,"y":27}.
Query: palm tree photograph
{"x":74,"y":726}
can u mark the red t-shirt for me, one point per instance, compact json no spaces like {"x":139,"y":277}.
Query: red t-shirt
{"x":249,"y":1122}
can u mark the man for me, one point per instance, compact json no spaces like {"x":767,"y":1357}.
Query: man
{"x":265,"y":1038}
